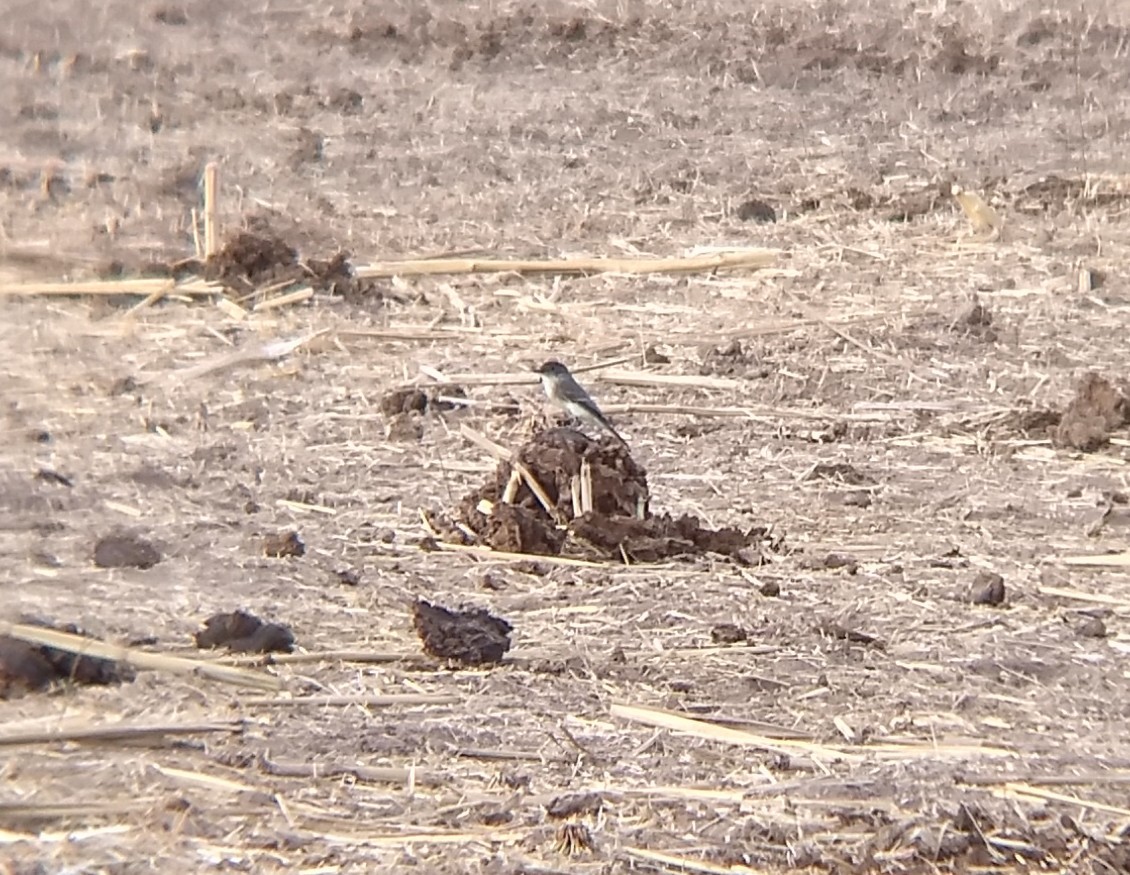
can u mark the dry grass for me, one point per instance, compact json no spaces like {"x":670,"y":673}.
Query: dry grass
{"x":963,"y":736}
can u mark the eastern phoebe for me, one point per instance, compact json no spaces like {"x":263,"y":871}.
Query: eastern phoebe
{"x":565,"y":392}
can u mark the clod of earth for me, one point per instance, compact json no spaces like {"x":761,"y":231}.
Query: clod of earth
{"x":987,"y":589}
{"x":1092,"y":627}
{"x":123,"y":550}
{"x":977,"y":322}
{"x":1097,"y":409}
{"x":23,"y":668}
{"x":732,"y":360}
{"x":242,"y":632}
{"x":574,"y":804}
{"x":282,"y":544}
{"x":770,"y":589}
{"x":840,"y":472}
{"x":728,"y":633}
{"x":619,"y":526}
{"x":253,"y":259}
{"x":27,"y":667}
{"x":412,"y":400}
{"x":472,"y":637}
{"x":756,"y":210}
{"x":404,"y":401}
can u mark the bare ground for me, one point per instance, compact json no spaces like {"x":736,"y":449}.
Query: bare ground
{"x":961,"y":736}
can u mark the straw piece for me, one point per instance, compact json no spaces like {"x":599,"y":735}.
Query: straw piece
{"x":366,"y":656}
{"x":703,"y":729}
{"x":745,"y":259}
{"x":690,"y":865}
{"x":646,"y":378}
{"x":211,"y":210}
{"x":86,"y":809}
{"x":856,"y":753}
{"x":539,"y":493}
{"x":117,"y":732}
{"x":367,"y":701}
{"x":266,"y":352}
{"x":1079,"y":595}
{"x":371,"y":774}
{"x":488,"y":553}
{"x":138,"y":658}
{"x":201,"y":779}
{"x":1100,"y":560}
{"x":296,"y":297}
{"x":107,"y":287}
{"x":1032,"y":792}
{"x":483,"y":442}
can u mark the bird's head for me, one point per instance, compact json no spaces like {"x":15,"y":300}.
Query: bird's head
{"x":552,"y":368}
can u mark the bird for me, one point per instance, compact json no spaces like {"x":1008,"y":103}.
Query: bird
{"x":566,"y":392}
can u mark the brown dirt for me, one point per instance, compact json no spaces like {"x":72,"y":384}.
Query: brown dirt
{"x":242,"y":632}
{"x":1097,"y":409}
{"x":28,"y":668}
{"x":471,"y":637}
{"x":890,"y":386}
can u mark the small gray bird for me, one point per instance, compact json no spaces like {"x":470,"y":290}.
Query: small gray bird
{"x":565,"y":392}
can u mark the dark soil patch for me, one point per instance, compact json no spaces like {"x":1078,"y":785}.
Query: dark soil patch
{"x":242,"y":632}
{"x":124,"y":550}
{"x":27,"y":667}
{"x":470,"y":637}
{"x":508,"y":516}
{"x":283,"y":544}
{"x":1097,"y":409}
{"x":733,"y":360}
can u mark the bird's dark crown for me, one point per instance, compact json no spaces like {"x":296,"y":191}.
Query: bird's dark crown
{"x":552,"y":367}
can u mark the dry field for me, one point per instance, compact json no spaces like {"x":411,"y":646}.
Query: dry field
{"x":887,"y":382}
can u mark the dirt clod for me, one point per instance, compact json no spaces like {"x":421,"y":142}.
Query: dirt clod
{"x":756,"y":210}
{"x":405,"y":400}
{"x":242,"y":632}
{"x":471,"y":637}
{"x":574,"y":804}
{"x":251,"y":260}
{"x":839,"y":472}
{"x":619,"y":526}
{"x":27,"y":667}
{"x":282,"y":544}
{"x":976,"y":321}
{"x":1091,"y":627}
{"x":728,"y":633}
{"x":732,"y":360}
{"x":1097,"y":409}
{"x":124,"y":550}
{"x":23,"y":668}
{"x":987,"y":589}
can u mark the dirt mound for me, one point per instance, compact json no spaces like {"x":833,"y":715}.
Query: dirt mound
{"x":472,"y":637}
{"x":594,"y":501}
{"x":261,"y":257}
{"x":242,"y":632}
{"x":1097,"y":409}
{"x":27,"y":667}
